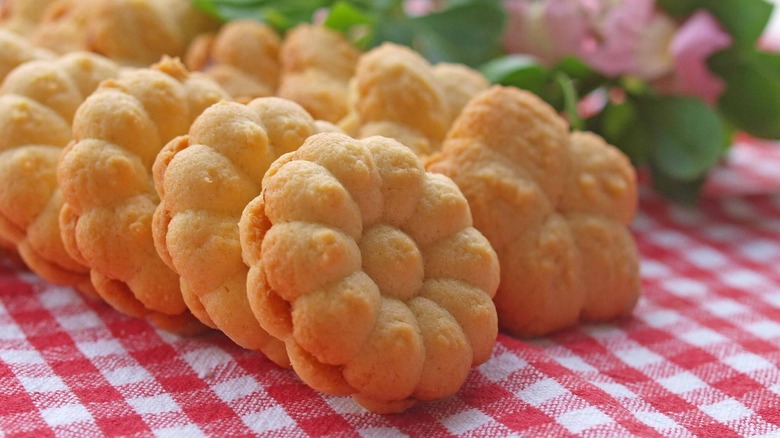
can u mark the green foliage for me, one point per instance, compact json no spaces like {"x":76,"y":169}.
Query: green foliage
{"x":679,"y":138}
{"x":466,"y":31}
{"x":561,"y":85}
{"x":686,"y":135}
{"x":521,"y":71}
{"x":280,"y":14}
{"x":751,"y":100}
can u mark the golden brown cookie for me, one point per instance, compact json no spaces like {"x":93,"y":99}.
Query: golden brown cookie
{"x":554,"y":206}
{"x":317,"y":64}
{"x":132,"y":32}
{"x":105,"y":175}
{"x":243,"y":57}
{"x":205,"y":179}
{"x":396,"y":93}
{"x":37,"y":103}
{"x":369,"y":270}
{"x":459,"y":84}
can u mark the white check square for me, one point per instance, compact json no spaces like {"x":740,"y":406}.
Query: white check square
{"x":727,"y":410}
{"x":682,"y":382}
{"x":67,"y":414}
{"x":541,"y":392}
{"x":464,"y":422}
{"x":583,"y":419}
{"x":271,"y":419}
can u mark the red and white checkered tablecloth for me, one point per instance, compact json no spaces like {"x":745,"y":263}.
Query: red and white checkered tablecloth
{"x":699,"y":357}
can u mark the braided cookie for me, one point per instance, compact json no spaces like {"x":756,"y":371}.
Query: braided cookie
{"x":37,"y":103}
{"x":554,"y":205}
{"x":317,"y":64}
{"x":133,"y":32}
{"x":205,"y":180}
{"x":16,"y":50}
{"x":396,"y":93}
{"x":105,"y":176}
{"x":243,"y":58}
{"x":369,"y":270}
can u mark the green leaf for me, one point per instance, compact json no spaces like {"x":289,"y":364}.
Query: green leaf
{"x":206,"y":6}
{"x":357,"y":23}
{"x":466,"y":32}
{"x":378,"y":6}
{"x":679,"y":138}
{"x":751,"y":100}
{"x":620,"y":125}
{"x":687,"y":135}
{"x":745,"y":20}
{"x":280,"y":14}
{"x":575,"y":68}
{"x":682,"y":191}
{"x":343,"y":16}
{"x":521,"y":71}
{"x":585,"y":78}
{"x":570,"y":100}
{"x":396,"y":29}
{"x":678,"y":8}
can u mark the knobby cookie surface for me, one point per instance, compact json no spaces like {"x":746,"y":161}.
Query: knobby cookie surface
{"x":38,"y":101}
{"x":131,"y":32}
{"x":555,"y":206}
{"x":243,"y":58}
{"x":397,"y":93}
{"x":317,"y":64}
{"x":369,"y":270}
{"x":105,"y":175}
{"x":15,"y":50}
{"x":205,"y":179}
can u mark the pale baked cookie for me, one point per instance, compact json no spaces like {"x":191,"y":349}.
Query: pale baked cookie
{"x":554,"y":206}
{"x":37,"y":103}
{"x":243,"y":57}
{"x":317,"y":64}
{"x":15,"y":50}
{"x":105,"y":176}
{"x":205,"y":179}
{"x":132,"y":32}
{"x":21,"y":16}
{"x":459,"y":83}
{"x":396,"y":93}
{"x":369,"y":270}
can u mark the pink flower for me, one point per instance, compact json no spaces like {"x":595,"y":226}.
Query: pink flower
{"x":616,"y":29}
{"x":696,"y":40}
{"x":605,"y":34}
{"x":621,"y":37}
{"x":547,"y":30}
{"x":422,"y":7}
{"x":653,"y":58}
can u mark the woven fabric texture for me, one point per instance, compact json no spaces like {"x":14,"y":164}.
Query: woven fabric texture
{"x":699,"y":356}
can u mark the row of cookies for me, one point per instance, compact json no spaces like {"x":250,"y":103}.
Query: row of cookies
{"x":554,"y":207}
{"x":130,"y":32}
{"x":83,"y":216}
{"x":310,"y":65}
{"x":248,"y":59}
